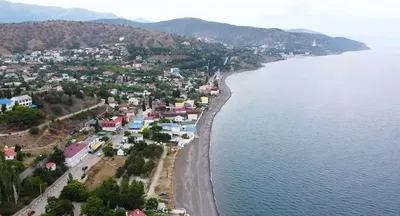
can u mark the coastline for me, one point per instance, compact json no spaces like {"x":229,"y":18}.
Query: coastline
{"x":192,"y":185}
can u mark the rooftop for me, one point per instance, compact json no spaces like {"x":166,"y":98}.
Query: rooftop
{"x":22,"y":97}
{"x":135,"y":126}
{"x":136,"y":212}
{"x":5,"y":101}
{"x":73,"y":149}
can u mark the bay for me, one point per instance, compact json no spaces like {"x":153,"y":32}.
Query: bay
{"x":311,"y":136}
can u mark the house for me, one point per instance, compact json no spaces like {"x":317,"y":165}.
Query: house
{"x":51,"y":166}
{"x":189,"y":103}
{"x":148,"y":119}
{"x":170,"y":115}
{"x":214,"y":91}
{"x":189,"y":130}
{"x":137,"y":136}
{"x":23,"y":100}
{"x":204,"y":100}
{"x":161,"y":207}
{"x":179,"y":104}
{"x":133,"y":101}
{"x":9,"y":153}
{"x":74,"y":153}
{"x":8,"y":103}
{"x":180,"y":109}
{"x":135,"y":127}
{"x":192,"y":114}
{"x":121,"y":151}
{"x":136,"y":212}
{"x":139,"y":120}
{"x":179,"y":118}
{"x":113,"y":125}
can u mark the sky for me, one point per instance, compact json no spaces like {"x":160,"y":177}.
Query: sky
{"x":356,"y":18}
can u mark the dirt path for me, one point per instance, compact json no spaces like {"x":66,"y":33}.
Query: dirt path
{"x":156,"y":176}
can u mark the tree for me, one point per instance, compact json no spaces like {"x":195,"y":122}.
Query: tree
{"x":120,"y":172}
{"x":109,"y":192}
{"x":57,"y":206}
{"x":17,"y":148}
{"x":127,"y":133}
{"x":20,"y":156}
{"x":33,"y":186}
{"x":17,"y":90}
{"x":149,"y":167}
{"x":152,"y":204}
{"x":3,"y":108}
{"x":97,"y":126}
{"x":94,"y":206}
{"x":57,"y":157}
{"x":105,"y":138}
{"x":150,"y":102}
{"x":108,"y":151}
{"x":143,"y":106}
{"x":74,"y":191}
{"x":34,"y":130}
{"x":124,"y":122}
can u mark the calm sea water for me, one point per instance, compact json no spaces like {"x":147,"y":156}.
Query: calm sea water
{"x":311,"y":136}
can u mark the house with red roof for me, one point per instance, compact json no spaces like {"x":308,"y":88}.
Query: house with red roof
{"x":75,"y":152}
{"x":136,"y":212}
{"x":112,"y":125}
{"x":51,"y":166}
{"x":9,"y":153}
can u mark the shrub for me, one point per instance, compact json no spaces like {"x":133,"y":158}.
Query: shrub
{"x":34,"y":130}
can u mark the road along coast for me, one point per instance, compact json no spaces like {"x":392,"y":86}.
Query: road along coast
{"x":192,"y":175}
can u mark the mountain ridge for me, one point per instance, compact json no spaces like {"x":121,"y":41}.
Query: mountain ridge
{"x":247,"y":36}
{"x":18,"y":12}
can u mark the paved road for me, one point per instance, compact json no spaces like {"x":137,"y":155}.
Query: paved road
{"x":39,"y":205}
{"x":192,"y":185}
{"x":156,"y":176}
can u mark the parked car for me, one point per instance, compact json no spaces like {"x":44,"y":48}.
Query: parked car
{"x":31,"y":212}
{"x":84,"y":168}
{"x":162,"y":194}
{"x":99,"y":154}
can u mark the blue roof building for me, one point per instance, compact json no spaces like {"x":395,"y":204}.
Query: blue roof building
{"x":135,"y":126}
{"x":138,"y":120}
{"x":6,"y":101}
{"x":9,"y":103}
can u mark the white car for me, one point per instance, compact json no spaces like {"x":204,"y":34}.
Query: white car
{"x":99,"y":154}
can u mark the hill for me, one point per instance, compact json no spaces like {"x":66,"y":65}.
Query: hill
{"x":17,"y":12}
{"x":62,"y":34}
{"x":246,"y":35}
{"x":302,"y":31}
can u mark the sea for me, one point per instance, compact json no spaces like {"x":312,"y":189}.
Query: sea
{"x":311,"y":136}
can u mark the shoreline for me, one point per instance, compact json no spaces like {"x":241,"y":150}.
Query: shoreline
{"x":192,"y":186}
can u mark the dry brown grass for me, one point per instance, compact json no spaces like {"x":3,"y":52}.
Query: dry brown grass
{"x":18,"y":37}
{"x":105,"y":168}
{"x":166,"y":178}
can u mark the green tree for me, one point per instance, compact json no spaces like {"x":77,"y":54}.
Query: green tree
{"x":3,"y":108}
{"x":20,"y":156}
{"x":149,"y":167}
{"x":57,"y":206}
{"x":94,"y":206}
{"x":97,"y":126}
{"x":152,"y":204}
{"x":108,"y":151}
{"x":34,"y":130}
{"x":127,"y":133}
{"x":109,"y":192}
{"x":33,"y":186}
{"x":57,"y":157}
{"x":143,"y":106}
{"x":74,"y":191}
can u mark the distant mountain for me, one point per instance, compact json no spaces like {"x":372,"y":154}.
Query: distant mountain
{"x":141,"y":20}
{"x":302,"y":31}
{"x":248,"y":36}
{"x":16,"y":12}
{"x":19,"y":37}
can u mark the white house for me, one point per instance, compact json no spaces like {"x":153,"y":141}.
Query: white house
{"x":148,"y":120}
{"x":23,"y":100}
{"x":8,"y":103}
{"x":75,"y":152}
{"x":179,"y":118}
{"x":113,"y":125}
{"x":9,"y":153}
{"x":138,"y":137}
{"x":133,"y":101}
{"x":204,"y":100}
{"x":51,"y":166}
{"x":121,"y":151}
